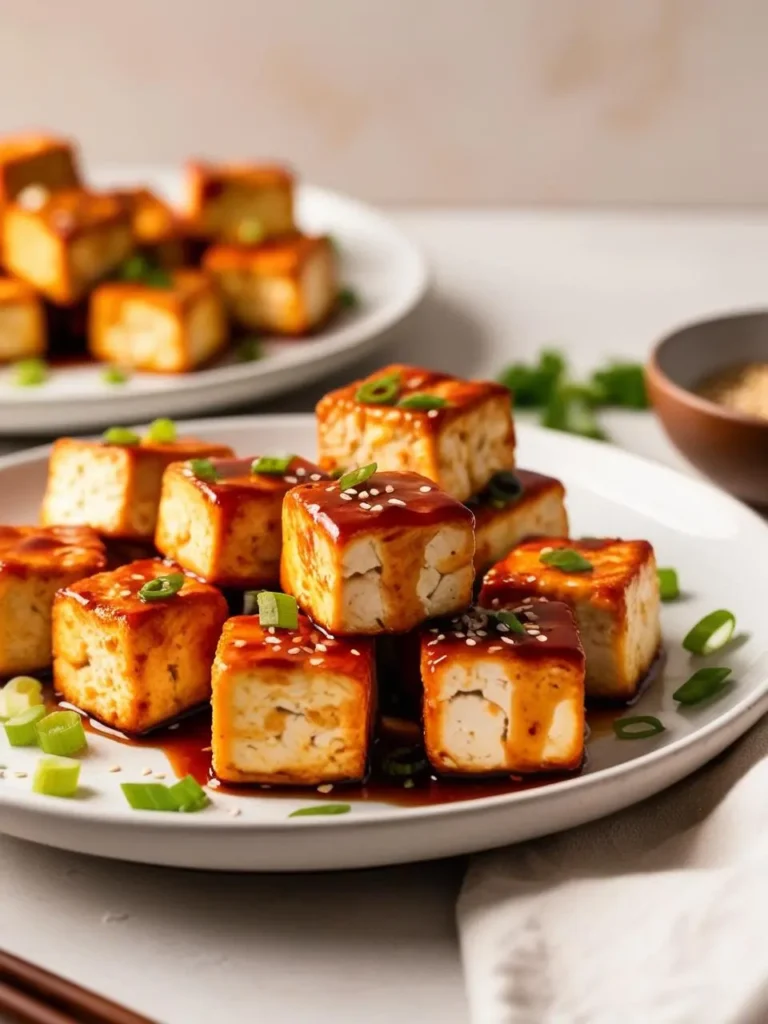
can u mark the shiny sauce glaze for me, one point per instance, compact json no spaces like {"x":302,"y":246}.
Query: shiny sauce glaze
{"x":235,"y":479}
{"x":533,"y":486}
{"x":28,"y":549}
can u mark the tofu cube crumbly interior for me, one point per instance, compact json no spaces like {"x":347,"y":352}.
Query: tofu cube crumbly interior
{"x":239,"y":202}
{"x":68,"y":243}
{"x":459,"y":445}
{"x":161,"y":330}
{"x":41,"y":163}
{"x":35,"y":562}
{"x":539,"y":511}
{"x":115,"y":489}
{"x":288,"y":286}
{"x":23,"y":333}
{"x":228,"y":531}
{"x":134,"y":664}
{"x":498,"y":701}
{"x":616,"y":604}
{"x":291,"y":706}
{"x":380,"y":557}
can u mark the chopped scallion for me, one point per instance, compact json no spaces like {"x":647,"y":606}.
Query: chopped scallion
{"x":249,"y":350}
{"x":306,"y":812}
{"x":702,"y":684}
{"x":422,"y":402}
{"x":149,"y":796}
{"x":404,"y":762}
{"x":357,"y":476}
{"x":510,"y":620}
{"x":162,"y":431}
{"x":204,"y":469}
{"x":29,"y":373}
{"x":251,"y":231}
{"x":61,"y":733}
{"x":121,"y":436}
{"x":189,"y":795}
{"x":162,"y":587}
{"x":566,"y":560}
{"x":56,"y":776}
{"x":21,"y":693}
{"x":348,"y":298}
{"x":20,"y":729}
{"x":114,"y":375}
{"x":637,"y":727}
{"x":272,"y":465}
{"x":279,"y":610}
{"x":710,"y":633}
{"x":381,"y":391}
{"x":669,"y":588}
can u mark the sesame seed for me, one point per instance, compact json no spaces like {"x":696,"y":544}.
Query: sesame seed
{"x":314,"y":477}
{"x":470,"y":642}
{"x":495,"y":603}
{"x":307,"y":650}
{"x":238,"y":643}
{"x":271,"y":630}
{"x":365,"y":505}
{"x":502,"y":627}
{"x":492,"y":650}
{"x":114,"y":768}
{"x":459,"y":635}
{"x":125,"y":593}
{"x":363,"y":494}
{"x":234,"y":812}
{"x":389,"y":489}
{"x":146,"y":771}
{"x":377,"y":508}
{"x":271,"y":640}
{"x":507,"y":640}
{"x":294,"y":650}
{"x":350,"y":490}
{"x":290,"y":479}
{"x":20,"y":775}
{"x":355,"y":651}
{"x":207,"y":750}
{"x":213,"y":784}
{"x":545,"y":551}
{"x":315,"y":661}
{"x":325,"y":788}
{"x":441,"y":636}
{"x":542,"y":638}
{"x":345,"y":497}
{"x":374,"y":492}
{"x":320,"y":647}
{"x":331,"y":488}
{"x":396,"y":501}
{"x":481,"y":632}
{"x":136,"y":576}
{"x":175,"y":725}
{"x":409,"y":784}
{"x":425,"y":489}
{"x":432,"y":643}
{"x":300,"y":471}
{"x":530,"y":579}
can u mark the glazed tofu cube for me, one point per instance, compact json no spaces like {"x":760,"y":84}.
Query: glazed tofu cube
{"x":227,"y":530}
{"x":239,"y":202}
{"x":380,"y":557}
{"x":538,"y":511}
{"x":157,"y":230}
{"x":34,"y":563}
{"x":67,"y":244}
{"x":498,"y":701}
{"x":291,"y":707}
{"x":41,"y":164}
{"x":114,"y":488}
{"x":170,"y":329}
{"x":22,"y":322}
{"x":616,"y":604}
{"x":135,"y":664}
{"x":460,"y":445}
{"x":288,"y":286}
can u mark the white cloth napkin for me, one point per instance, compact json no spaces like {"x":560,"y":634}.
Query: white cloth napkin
{"x":656,"y":915}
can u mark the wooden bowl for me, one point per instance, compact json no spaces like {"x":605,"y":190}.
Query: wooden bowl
{"x":730,"y":447}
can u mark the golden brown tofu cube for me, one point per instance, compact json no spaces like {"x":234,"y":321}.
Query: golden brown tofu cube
{"x":227,"y":529}
{"x":63,"y":247}
{"x":380,"y":557}
{"x":499,"y":701}
{"x":41,"y":163}
{"x":287,"y":287}
{"x":34,"y":563}
{"x":501,"y":522}
{"x":134,"y":664}
{"x":245,"y":203}
{"x":615,"y":599}
{"x":22,"y":322}
{"x":291,"y":706}
{"x":114,"y":488}
{"x":456,"y":432}
{"x":157,"y":230}
{"x":170,"y":329}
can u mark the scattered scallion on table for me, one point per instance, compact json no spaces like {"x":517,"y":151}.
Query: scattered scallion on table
{"x":189,"y":795}
{"x":114,"y":375}
{"x":20,"y":730}
{"x":61,"y":733}
{"x":121,"y":436}
{"x":704,"y":683}
{"x":56,"y":776}
{"x":710,"y":633}
{"x":637,"y":727}
{"x":149,"y":796}
{"x":20,"y":694}
{"x":320,"y":809}
{"x":162,"y":431}
{"x":348,"y":298}
{"x":29,"y":373}
{"x":279,"y":610}
{"x":669,"y":588}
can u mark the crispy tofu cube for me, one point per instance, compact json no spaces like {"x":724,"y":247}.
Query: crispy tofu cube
{"x":41,"y":163}
{"x":22,"y":321}
{"x":67,"y":244}
{"x":35,"y":562}
{"x":113,"y":488}
{"x":539,"y":511}
{"x":496,"y":701}
{"x":292,"y":707}
{"x":288,"y":286}
{"x":227,"y":531}
{"x":616,"y":604}
{"x":381,"y":557}
{"x":239,"y":202}
{"x":156,"y":228}
{"x":134,"y":664}
{"x":460,"y":445}
{"x":162,"y":330}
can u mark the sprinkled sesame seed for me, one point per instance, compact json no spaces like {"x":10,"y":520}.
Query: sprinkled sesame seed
{"x":146,"y":771}
{"x":300,"y":471}
{"x":350,"y":490}
{"x":507,"y":640}
{"x":314,"y":477}
{"x":396,"y":501}
{"x":363,"y":494}
{"x":432,"y":413}
{"x":545,"y":551}
{"x":409,"y":784}
{"x":271,"y":640}
{"x":502,"y":627}
{"x":331,"y":488}
{"x":355,"y":651}
{"x":213,"y":784}
{"x":377,"y":508}
{"x":459,"y":635}
{"x":114,"y":768}
{"x":425,"y":489}
{"x":234,"y":812}
{"x":481,"y":632}
{"x":307,"y":650}
{"x":432,"y":643}
{"x":320,"y":647}
{"x":325,"y":788}
{"x":389,"y":489}
{"x":441,"y":636}
{"x":530,"y":579}
{"x":294,"y":650}
{"x":470,"y":642}
{"x":315,"y":661}
{"x":345,"y":497}
{"x":365,"y":505}
{"x":542,"y":638}
{"x":271,"y":630}
{"x":495,"y":603}
{"x":20,"y":775}
{"x":125,"y":593}
{"x":136,"y":576}
{"x":207,"y":749}
{"x":492,"y":650}
{"x":238,"y":643}
{"x":374,"y":492}
{"x":290,"y":479}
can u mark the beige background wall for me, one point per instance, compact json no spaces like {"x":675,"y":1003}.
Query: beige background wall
{"x":429,"y":101}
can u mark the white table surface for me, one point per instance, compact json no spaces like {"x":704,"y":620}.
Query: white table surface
{"x":380,"y":946}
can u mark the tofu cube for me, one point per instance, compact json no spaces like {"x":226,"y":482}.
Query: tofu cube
{"x":378,"y":558}
{"x":114,"y":488}
{"x":40,"y":163}
{"x":161,"y":330}
{"x":459,"y":445}
{"x":156,"y":228}
{"x":539,"y":511}
{"x":497,"y":701}
{"x":35,"y":562}
{"x":23,"y":333}
{"x":228,"y":530}
{"x":289,"y":286}
{"x":67,"y":244}
{"x":291,"y":707}
{"x":616,"y":604}
{"x":239,"y":202}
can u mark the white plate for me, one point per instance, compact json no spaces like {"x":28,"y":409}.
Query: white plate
{"x":386,"y":270}
{"x":720,"y":549}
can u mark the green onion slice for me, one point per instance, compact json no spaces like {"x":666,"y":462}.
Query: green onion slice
{"x":20,"y":694}
{"x":162,"y":587}
{"x":277,"y":610}
{"x":189,"y":795}
{"x":114,"y":375}
{"x":149,"y":796}
{"x":273,"y":465}
{"x":306,"y":812}
{"x":403,"y":762}
{"x":511,"y":620}
{"x":711,"y":633}
{"x":249,"y":350}
{"x":120,"y":435}
{"x":420,"y":400}
{"x":566,"y":560}
{"x":357,"y":476}
{"x":204,"y":469}
{"x":162,"y":431}
{"x":251,"y":231}
{"x":637,"y":727}
{"x":56,"y":776}
{"x":157,"y":277}
{"x":61,"y":733}
{"x":348,"y":298}
{"x":20,"y":729}
{"x":504,"y":488}
{"x":669,"y":588}
{"x":622,"y":384}
{"x":381,"y":391}
{"x":30,"y":373}
{"x":134,"y":268}
{"x":702,"y":684}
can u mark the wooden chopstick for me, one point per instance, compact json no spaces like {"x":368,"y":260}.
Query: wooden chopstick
{"x":36,"y":996}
